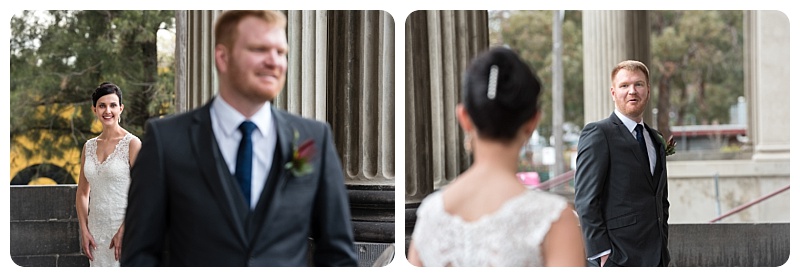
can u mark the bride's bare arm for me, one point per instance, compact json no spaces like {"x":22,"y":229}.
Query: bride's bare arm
{"x":413,"y":258}
{"x":116,"y":242}
{"x":133,"y":150}
{"x":563,"y":244}
{"x":82,"y":207}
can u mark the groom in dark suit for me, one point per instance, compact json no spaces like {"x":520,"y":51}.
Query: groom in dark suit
{"x":621,"y":179}
{"x":238,"y":182}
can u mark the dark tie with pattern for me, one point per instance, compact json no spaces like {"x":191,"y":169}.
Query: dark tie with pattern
{"x":244,"y":159}
{"x":642,"y":144}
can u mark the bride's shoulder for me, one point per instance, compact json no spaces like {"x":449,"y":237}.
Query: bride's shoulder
{"x":133,"y":142}
{"x":542,"y":199}
{"x":132,"y":137}
{"x":430,"y":202}
{"x":90,"y":142}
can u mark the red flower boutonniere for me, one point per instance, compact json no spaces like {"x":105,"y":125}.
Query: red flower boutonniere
{"x":669,"y":148}
{"x":301,"y":157}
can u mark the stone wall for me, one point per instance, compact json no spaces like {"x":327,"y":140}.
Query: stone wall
{"x":729,"y":245}
{"x":44,"y":226}
{"x":45,"y":231}
{"x":696,"y":196}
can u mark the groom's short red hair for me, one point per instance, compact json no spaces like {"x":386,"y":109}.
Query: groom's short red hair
{"x":632,"y":66}
{"x":225,"y":28}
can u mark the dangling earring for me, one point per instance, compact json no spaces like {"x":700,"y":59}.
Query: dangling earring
{"x":468,"y":143}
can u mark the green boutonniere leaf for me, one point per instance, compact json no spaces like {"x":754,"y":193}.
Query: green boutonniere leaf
{"x":669,"y":147}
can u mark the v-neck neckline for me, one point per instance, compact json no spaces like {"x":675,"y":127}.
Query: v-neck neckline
{"x":116,"y":146}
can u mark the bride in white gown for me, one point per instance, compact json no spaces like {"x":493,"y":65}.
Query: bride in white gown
{"x":486,"y":216}
{"x":102,"y":193}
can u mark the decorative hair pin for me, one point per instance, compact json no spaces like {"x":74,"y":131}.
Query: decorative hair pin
{"x":492,"y":82}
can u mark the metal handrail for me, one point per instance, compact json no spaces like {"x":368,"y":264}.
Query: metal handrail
{"x":557,"y":181}
{"x":751,"y":203}
{"x":569,"y":175}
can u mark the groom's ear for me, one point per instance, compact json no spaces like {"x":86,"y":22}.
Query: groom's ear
{"x":221,"y":57}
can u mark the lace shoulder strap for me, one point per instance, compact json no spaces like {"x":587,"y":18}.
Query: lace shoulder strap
{"x":125,"y":146}
{"x":91,"y":148}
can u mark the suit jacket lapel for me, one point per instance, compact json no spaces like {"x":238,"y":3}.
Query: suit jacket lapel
{"x":270,"y":196}
{"x":213,"y":167}
{"x":629,"y":139}
{"x":660,"y":155}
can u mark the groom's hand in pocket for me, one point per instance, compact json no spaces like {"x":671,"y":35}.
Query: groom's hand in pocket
{"x":603,"y":260}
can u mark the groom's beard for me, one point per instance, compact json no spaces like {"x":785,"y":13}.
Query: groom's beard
{"x":251,"y":87}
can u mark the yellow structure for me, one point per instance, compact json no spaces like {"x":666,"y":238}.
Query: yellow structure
{"x":38,"y":170}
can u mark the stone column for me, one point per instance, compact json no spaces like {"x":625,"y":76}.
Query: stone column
{"x":360,"y":94}
{"x":306,"y":77}
{"x":439,"y":46}
{"x":347,"y":80}
{"x":610,"y":37}
{"x":767,"y":83}
{"x":195,"y":81}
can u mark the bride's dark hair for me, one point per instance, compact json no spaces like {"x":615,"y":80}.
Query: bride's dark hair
{"x":104,"y":89}
{"x":499,"y":114}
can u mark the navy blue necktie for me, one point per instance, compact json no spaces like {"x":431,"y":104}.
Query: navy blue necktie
{"x":642,"y":144}
{"x":244,"y":159}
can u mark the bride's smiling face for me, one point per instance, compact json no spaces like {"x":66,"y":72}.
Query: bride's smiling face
{"x":107,"y":109}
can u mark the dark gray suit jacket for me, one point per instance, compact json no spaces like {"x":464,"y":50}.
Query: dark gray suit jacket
{"x":621,"y":206}
{"x":183,"y":198}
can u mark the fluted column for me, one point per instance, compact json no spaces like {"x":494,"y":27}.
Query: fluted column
{"x":360,"y":93}
{"x":305,"y":93}
{"x":419,"y":167}
{"x":181,"y":60}
{"x":767,"y":83}
{"x":195,"y":81}
{"x":610,"y":37}
{"x":360,"y":108}
{"x":439,"y":46}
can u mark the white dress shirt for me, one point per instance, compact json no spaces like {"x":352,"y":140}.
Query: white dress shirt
{"x":225,"y":121}
{"x":631,"y":125}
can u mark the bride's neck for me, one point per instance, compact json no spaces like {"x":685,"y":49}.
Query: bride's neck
{"x":498,"y":156}
{"x":112,"y":133}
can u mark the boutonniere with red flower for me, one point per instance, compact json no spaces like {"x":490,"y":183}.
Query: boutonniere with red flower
{"x":669,"y":148}
{"x":301,"y":157}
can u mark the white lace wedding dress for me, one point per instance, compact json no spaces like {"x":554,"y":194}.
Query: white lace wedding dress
{"x":511,"y":236}
{"x":109,"y":181}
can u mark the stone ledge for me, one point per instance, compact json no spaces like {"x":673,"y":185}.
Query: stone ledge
{"x":74,"y":260}
{"x":727,"y":168}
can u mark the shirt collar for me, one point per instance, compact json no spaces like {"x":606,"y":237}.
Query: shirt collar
{"x":630,"y":124}
{"x":230,"y":118}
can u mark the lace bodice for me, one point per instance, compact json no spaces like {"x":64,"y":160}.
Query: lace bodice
{"x":109,"y":182}
{"x":511,"y":236}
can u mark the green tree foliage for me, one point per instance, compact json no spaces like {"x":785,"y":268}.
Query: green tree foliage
{"x":697,"y":66}
{"x":59,"y":57}
{"x":530,"y":33}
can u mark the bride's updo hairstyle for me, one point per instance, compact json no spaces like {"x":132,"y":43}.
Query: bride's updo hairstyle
{"x":500,"y":93}
{"x":104,"y":89}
